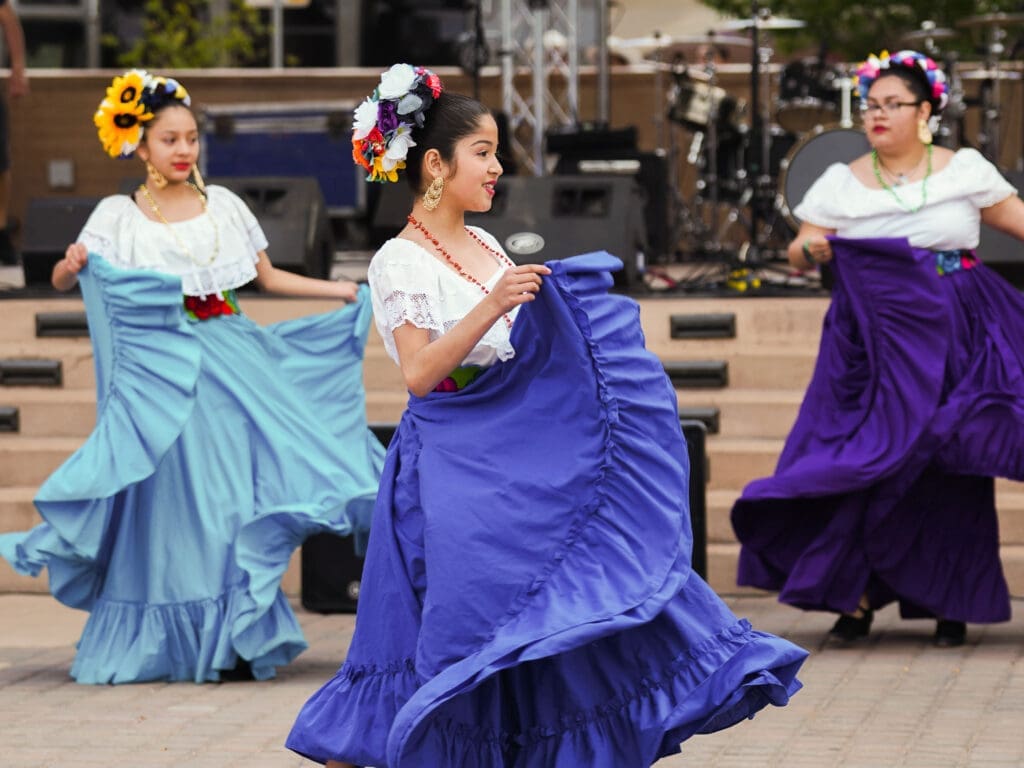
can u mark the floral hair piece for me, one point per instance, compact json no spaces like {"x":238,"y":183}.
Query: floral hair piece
{"x":869,"y":70}
{"x":382,"y":128}
{"x":131,"y":101}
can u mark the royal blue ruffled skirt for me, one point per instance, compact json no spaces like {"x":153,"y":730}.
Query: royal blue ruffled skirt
{"x":528,"y":598}
{"x":219,"y":446}
{"x":885,"y":484}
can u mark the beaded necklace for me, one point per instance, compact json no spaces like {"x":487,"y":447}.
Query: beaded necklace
{"x":181,"y":243}
{"x":498,"y":256}
{"x":924,"y":182}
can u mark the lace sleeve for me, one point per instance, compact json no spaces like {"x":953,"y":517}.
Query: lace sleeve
{"x":820,"y":205}
{"x":985,"y":184}
{"x":404,"y":290}
{"x":99,"y":235}
{"x":242,"y":217}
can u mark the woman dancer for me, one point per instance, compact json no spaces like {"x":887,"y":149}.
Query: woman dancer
{"x":527,"y":598}
{"x":884,"y":490}
{"x":219,"y":445}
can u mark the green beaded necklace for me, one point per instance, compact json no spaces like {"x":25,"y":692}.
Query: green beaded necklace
{"x":924,"y":182}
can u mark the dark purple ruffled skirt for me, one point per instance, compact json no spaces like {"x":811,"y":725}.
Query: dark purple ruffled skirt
{"x":885,"y":485}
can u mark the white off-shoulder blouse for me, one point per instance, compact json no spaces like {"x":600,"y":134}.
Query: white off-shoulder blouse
{"x":949,"y":219}
{"x":122,"y":234}
{"x":410,"y":284}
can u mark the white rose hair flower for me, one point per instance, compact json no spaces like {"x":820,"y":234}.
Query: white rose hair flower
{"x":382,"y":124}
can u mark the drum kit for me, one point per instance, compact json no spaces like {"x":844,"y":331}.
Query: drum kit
{"x":754,"y":163}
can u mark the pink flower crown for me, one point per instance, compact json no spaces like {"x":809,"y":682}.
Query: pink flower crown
{"x":383,"y":123}
{"x":868,"y":71}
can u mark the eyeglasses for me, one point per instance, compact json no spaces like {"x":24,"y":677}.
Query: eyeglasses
{"x":890,"y":107}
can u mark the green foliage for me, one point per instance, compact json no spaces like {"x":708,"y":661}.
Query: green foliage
{"x":852,"y":30}
{"x":180,"y":34}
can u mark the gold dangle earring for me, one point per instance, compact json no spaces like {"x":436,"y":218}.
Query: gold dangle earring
{"x":198,"y":177}
{"x":432,"y":197}
{"x":924,"y":133}
{"x":158,"y":179}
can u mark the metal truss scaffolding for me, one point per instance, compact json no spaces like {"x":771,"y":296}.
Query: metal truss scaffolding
{"x":539,"y":37}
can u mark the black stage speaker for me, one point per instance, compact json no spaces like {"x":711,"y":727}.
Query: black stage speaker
{"x":553,"y":217}
{"x":602,"y":151}
{"x":330,"y":568}
{"x":51,"y":225}
{"x":292,"y":212}
{"x":1001,"y":252}
{"x":696,"y":433}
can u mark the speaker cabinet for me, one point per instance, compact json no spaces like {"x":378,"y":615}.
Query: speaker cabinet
{"x":331,"y":571}
{"x":554,"y":217}
{"x":293,"y":215}
{"x":51,"y":225}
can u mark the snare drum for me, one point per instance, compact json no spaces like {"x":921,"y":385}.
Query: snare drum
{"x":808,"y":96}
{"x":809,"y":158}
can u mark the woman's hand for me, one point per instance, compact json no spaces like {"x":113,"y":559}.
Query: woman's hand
{"x":817,"y":249}
{"x":810,"y":246}
{"x":75,"y":258}
{"x":517,"y":285}
{"x":347,"y":291}
{"x":65,"y":271}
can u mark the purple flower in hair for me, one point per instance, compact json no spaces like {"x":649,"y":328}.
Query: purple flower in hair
{"x":387,"y":117}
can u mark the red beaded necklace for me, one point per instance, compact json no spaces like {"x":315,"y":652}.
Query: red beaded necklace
{"x":498,"y":256}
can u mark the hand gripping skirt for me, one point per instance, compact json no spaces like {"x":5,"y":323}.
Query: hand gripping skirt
{"x":885,"y":484}
{"x":528,"y":598}
{"x":219,"y":446}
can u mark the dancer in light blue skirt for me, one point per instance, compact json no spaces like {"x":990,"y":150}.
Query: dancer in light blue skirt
{"x":219,"y":445}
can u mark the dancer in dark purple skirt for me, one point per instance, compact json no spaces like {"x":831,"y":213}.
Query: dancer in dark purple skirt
{"x":884,"y":490}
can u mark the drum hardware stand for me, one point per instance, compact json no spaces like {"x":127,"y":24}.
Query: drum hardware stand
{"x":988,"y":136}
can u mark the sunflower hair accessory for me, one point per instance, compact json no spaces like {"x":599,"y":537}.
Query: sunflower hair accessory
{"x":869,"y":70}
{"x":383,"y":123}
{"x":131,"y":101}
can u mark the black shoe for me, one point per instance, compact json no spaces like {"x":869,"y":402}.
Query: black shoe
{"x":240,"y":673}
{"x":949,"y":634}
{"x":7,"y":253}
{"x":848,"y":628}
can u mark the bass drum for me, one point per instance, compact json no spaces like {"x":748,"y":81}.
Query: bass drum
{"x":809,"y":158}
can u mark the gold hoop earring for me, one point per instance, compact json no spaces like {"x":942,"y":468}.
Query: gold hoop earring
{"x":432,"y":197}
{"x":198,"y":177}
{"x":158,"y":179}
{"x":924,"y":133}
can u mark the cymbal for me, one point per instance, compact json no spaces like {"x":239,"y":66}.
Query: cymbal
{"x":772,"y":22}
{"x":938,"y":33}
{"x":992,"y":20}
{"x":989,"y":74}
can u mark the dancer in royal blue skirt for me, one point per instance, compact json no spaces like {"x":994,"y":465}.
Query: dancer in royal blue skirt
{"x":528,"y":598}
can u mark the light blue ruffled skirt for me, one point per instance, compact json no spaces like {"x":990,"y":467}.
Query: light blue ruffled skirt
{"x":219,"y":446}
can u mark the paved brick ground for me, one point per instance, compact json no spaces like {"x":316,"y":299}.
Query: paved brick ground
{"x":892,"y":701}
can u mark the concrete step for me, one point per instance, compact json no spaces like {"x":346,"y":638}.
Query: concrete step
{"x":747,"y":413}
{"x":28,"y":461}
{"x":49,"y":412}
{"x":793,"y":322}
{"x":75,"y":356}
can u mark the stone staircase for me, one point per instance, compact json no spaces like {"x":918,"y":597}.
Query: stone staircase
{"x":739,"y":365}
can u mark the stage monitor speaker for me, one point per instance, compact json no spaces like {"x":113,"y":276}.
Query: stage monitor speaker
{"x":554,"y":217}
{"x":331,"y":571}
{"x":1004,"y":253}
{"x":292,"y":212}
{"x":51,"y":225}
{"x":649,"y":169}
{"x":695,"y":433}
